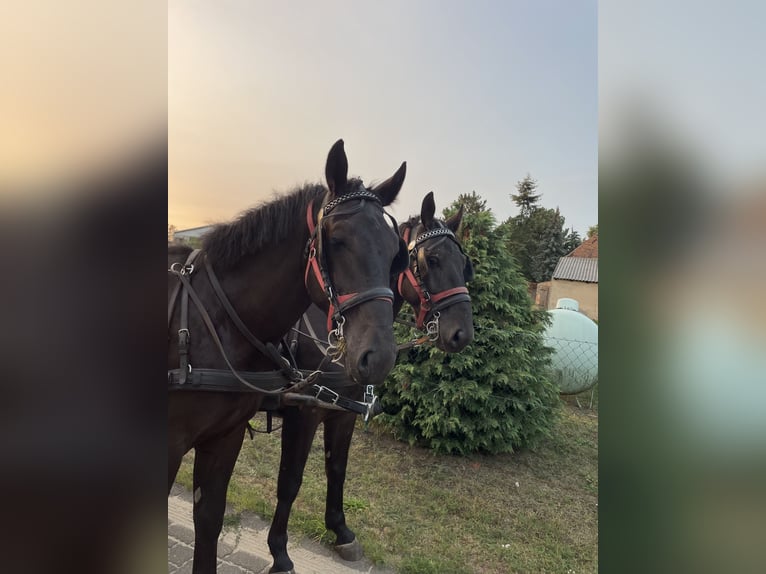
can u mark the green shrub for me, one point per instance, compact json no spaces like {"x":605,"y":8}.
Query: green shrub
{"x":494,"y":396}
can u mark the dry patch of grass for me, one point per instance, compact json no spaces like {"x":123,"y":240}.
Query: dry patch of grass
{"x":420,"y":513}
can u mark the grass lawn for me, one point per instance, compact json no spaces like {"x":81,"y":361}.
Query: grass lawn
{"x":419,"y":513}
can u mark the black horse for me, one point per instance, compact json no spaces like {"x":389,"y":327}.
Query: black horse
{"x":255,"y":277}
{"x":434,"y":284}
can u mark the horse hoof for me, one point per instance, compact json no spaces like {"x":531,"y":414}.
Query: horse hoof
{"x":283,"y":572}
{"x":350,"y":552}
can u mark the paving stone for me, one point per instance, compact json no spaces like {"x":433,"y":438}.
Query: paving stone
{"x":246,"y":550}
{"x":248,"y":561}
{"x":224,"y":549}
{"x":180,"y":553}
{"x":181,"y":533}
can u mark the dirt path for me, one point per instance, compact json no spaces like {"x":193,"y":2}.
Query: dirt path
{"x":243,"y":549}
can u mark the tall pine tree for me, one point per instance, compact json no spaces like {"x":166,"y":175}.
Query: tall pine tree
{"x":526,"y":198}
{"x":536,"y":236}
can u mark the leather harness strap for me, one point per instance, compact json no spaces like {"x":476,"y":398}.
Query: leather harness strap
{"x":183,"y":329}
{"x":296,"y":377}
{"x":183,"y":336}
{"x":264,"y":382}
{"x":267,"y":349}
{"x":188,"y":264}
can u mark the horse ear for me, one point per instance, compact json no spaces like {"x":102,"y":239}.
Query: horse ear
{"x":388,"y":190}
{"x":336,"y":170}
{"x":453,"y":223}
{"x":427,"y":210}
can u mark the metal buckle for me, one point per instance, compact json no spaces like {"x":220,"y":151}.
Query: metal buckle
{"x":321,"y":389}
{"x":182,"y":269}
{"x":369,"y":399}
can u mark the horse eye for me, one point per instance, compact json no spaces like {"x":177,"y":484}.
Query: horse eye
{"x":432,"y":260}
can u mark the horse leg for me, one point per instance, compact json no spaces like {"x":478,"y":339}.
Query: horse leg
{"x":298,"y":429}
{"x":176,"y":454}
{"x":338,"y":431}
{"x":213,"y":464}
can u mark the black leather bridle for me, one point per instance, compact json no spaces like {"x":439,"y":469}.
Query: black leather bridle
{"x":316,"y":263}
{"x":430,"y":303}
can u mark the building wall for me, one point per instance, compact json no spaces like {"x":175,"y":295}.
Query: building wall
{"x":541,"y":295}
{"x":586,"y":294}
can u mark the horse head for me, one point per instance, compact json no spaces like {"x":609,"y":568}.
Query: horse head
{"x":434,"y":283}
{"x":353,"y":252}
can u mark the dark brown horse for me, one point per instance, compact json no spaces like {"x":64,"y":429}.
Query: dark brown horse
{"x":331,"y":246}
{"x":434,"y":284}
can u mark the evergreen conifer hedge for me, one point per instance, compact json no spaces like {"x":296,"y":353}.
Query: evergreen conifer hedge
{"x":496,"y":395}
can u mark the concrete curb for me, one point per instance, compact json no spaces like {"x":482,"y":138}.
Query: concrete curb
{"x":243,"y":550}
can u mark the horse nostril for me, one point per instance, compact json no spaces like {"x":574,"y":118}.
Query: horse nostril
{"x":457,"y":338}
{"x":364,"y":363}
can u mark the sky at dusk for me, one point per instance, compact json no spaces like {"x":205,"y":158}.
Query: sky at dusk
{"x":473,"y":95}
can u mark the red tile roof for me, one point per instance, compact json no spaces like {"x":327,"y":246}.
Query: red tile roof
{"x":588,"y":249}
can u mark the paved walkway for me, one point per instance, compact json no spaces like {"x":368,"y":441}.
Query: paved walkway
{"x":243,"y":549}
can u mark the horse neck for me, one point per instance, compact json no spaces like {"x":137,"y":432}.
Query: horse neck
{"x":267,"y":289}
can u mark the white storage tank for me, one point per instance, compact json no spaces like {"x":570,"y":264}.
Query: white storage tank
{"x":574,"y":339}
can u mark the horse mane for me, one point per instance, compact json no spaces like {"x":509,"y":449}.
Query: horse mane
{"x":263,"y":225}
{"x":259,"y":227}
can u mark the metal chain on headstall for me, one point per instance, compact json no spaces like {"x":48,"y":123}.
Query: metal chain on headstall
{"x":432,"y":327}
{"x":336,"y":342}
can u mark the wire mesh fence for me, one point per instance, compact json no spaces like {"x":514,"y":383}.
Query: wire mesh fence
{"x":574,"y":363}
